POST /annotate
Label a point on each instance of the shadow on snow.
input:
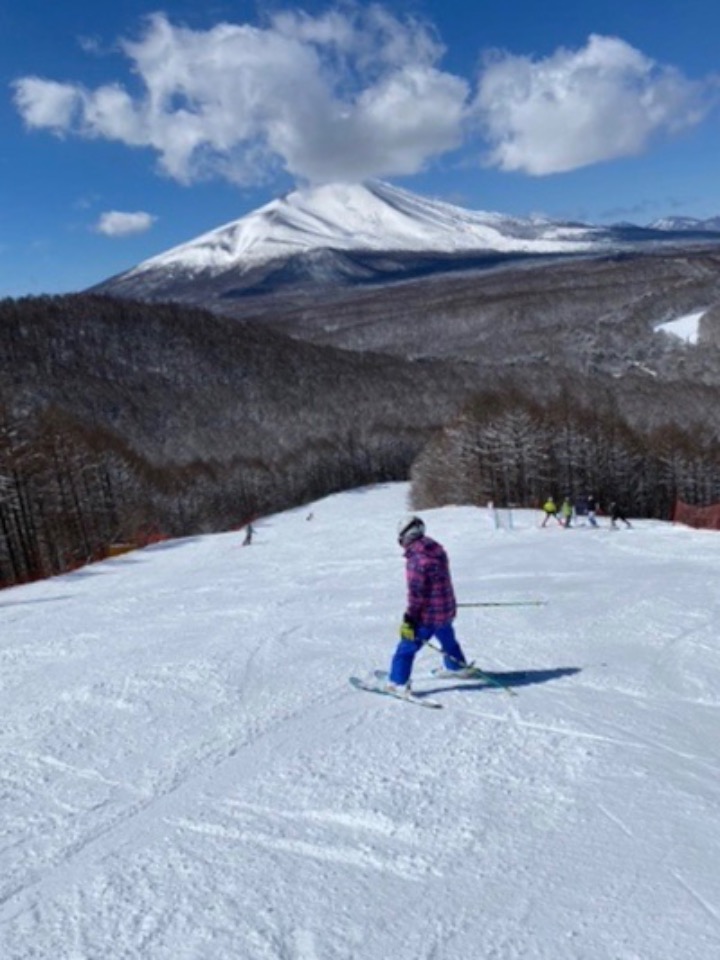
(512, 678)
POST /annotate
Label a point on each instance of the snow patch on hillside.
(685, 328)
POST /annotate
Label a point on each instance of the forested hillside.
(590, 315)
(513, 448)
(127, 421)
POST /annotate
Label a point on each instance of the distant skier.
(249, 531)
(592, 508)
(550, 510)
(617, 513)
(566, 512)
(431, 606)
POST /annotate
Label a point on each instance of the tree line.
(515, 450)
(69, 492)
(123, 422)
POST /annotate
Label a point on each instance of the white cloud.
(315, 95)
(358, 93)
(44, 103)
(114, 223)
(581, 107)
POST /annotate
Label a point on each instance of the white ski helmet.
(409, 529)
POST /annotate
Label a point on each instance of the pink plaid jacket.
(431, 598)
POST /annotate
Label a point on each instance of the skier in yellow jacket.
(550, 510)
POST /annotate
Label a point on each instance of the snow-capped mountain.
(340, 235)
(710, 225)
(373, 216)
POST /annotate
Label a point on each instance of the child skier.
(431, 606)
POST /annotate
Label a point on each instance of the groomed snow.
(186, 772)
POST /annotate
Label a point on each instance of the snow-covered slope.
(188, 775)
(372, 216)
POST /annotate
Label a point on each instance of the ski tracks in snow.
(195, 779)
(99, 847)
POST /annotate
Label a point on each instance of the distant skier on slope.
(550, 510)
(431, 606)
(566, 512)
(592, 509)
(617, 513)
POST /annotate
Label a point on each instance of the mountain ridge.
(325, 239)
(369, 216)
(687, 224)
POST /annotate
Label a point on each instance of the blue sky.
(129, 128)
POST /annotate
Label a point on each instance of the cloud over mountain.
(359, 92)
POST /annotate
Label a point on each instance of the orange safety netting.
(707, 518)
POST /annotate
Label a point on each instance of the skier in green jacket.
(550, 510)
(566, 512)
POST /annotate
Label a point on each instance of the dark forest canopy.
(119, 417)
(123, 421)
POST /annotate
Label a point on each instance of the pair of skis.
(378, 683)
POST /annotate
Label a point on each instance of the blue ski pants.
(407, 650)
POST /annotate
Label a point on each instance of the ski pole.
(480, 673)
(508, 603)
